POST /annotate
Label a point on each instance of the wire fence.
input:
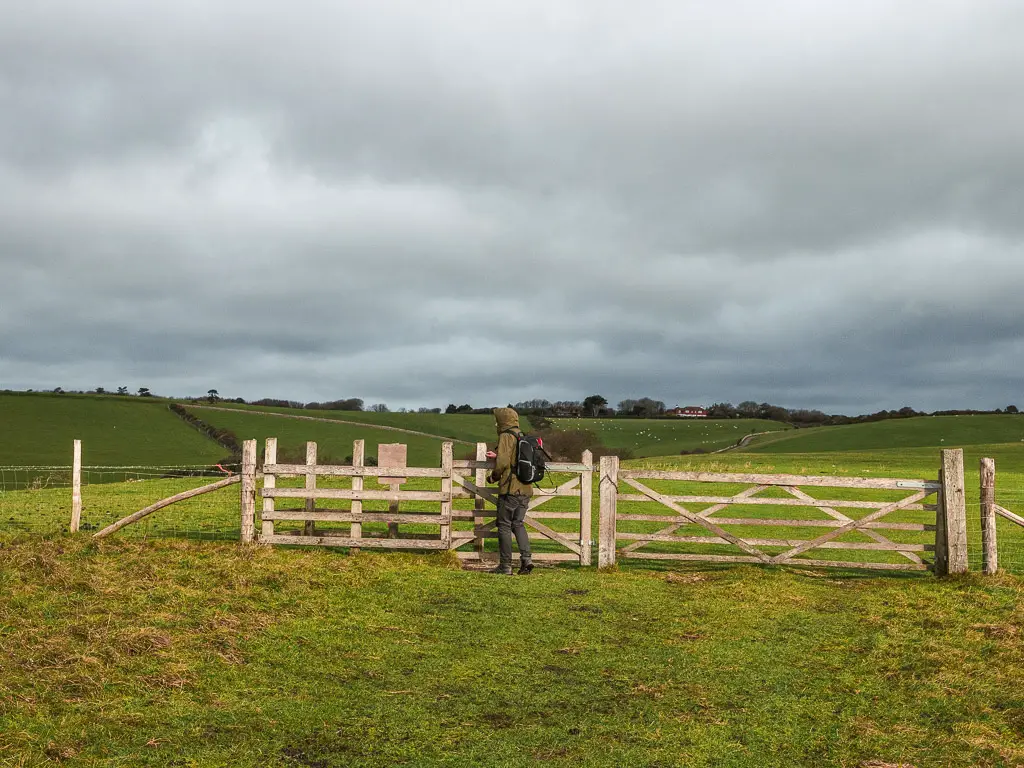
(37, 500)
(1010, 535)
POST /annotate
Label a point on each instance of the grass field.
(470, 427)
(667, 437)
(332, 439)
(39, 430)
(918, 432)
(198, 654)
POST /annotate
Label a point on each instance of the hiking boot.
(503, 569)
(525, 567)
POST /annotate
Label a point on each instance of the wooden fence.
(699, 510)
(459, 479)
(989, 511)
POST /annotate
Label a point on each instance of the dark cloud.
(419, 203)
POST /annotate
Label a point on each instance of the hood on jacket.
(506, 418)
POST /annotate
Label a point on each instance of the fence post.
(989, 545)
(447, 465)
(609, 489)
(269, 481)
(586, 502)
(248, 491)
(954, 511)
(76, 487)
(480, 480)
(358, 455)
(310, 527)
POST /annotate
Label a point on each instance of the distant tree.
(144, 392)
(1012, 409)
(593, 404)
(58, 391)
(464, 408)
(722, 411)
(452, 408)
(379, 408)
(748, 409)
(213, 395)
(100, 391)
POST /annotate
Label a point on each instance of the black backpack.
(530, 457)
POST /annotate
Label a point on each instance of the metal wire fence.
(37, 500)
(1010, 535)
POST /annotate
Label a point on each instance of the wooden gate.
(753, 533)
(458, 525)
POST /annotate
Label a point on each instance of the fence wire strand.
(36, 500)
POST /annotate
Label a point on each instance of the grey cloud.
(809, 204)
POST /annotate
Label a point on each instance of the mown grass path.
(135, 654)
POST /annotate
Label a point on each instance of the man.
(513, 496)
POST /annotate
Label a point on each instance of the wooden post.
(609, 490)
(941, 567)
(480, 480)
(358, 454)
(269, 481)
(248, 491)
(954, 510)
(76, 486)
(310, 527)
(586, 501)
(447, 464)
(989, 545)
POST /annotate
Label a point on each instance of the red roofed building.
(689, 412)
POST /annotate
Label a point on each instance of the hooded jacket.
(504, 464)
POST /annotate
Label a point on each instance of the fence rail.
(949, 526)
(463, 479)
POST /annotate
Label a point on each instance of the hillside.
(39, 429)
(334, 440)
(668, 437)
(470, 427)
(918, 432)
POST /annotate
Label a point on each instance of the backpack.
(530, 457)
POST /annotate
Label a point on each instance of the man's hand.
(492, 455)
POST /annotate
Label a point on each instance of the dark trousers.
(511, 513)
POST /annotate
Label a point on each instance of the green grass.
(199, 654)
(919, 432)
(39, 430)
(666, 437)
(470, 427)
(333, 440)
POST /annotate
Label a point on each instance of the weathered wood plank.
(695, 558)
(955, 498)
(269, 481)
(479, 503)
(360, 495)
(871, 546)
(1011, 516)
(554, 535)
(757, 521)
(345, 516)
(754, 560)
(76, 486)
(608, 490)
(725, 501)
(248, 483)
(989, 543)
(446, 492)
(586, 503)
(347, 541)
(310, 528)
(343, 470)
(550, 557)
(135, 517)
(795, 480)
(358, 457)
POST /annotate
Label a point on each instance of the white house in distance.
(689, 412)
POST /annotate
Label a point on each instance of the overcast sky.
(814, 204)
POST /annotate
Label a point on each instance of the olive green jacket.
(504, 470)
